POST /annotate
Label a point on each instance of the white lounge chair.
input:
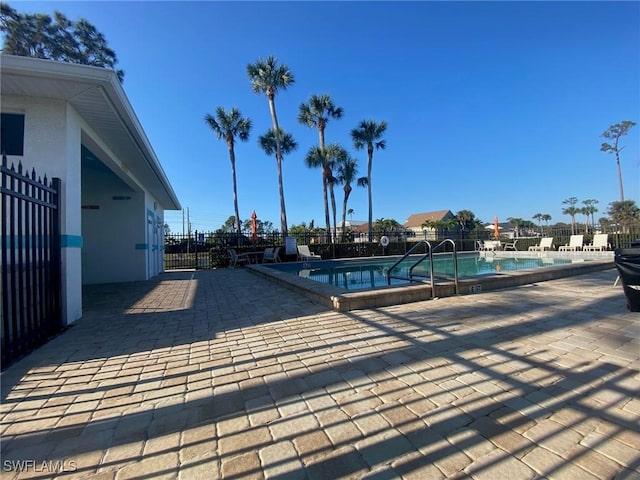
(600, 243)
(306, 255)
(575, 244)
(492, 245)
(480, 245)
(238, 259)
(511, 245)
(271, 255)
(546, 243)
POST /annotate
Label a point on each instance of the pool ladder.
(413, 277)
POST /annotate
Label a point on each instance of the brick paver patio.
(221, 374)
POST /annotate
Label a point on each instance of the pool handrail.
(428, 255)
(404, 257)
(455, 264)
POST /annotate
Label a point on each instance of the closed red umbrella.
(496, 228)
(254, 227)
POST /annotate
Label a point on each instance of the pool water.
(371, 273)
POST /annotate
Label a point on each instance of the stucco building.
(76, 123)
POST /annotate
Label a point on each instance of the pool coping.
(343, 300)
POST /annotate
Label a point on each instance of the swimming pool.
(495, 271)
(365, 274)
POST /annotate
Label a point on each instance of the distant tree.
(228, 126)
(438, 225)
(387, 225)
(229, 225)
(316, 113)
(269, 145)
(528, 227)
(268, 77)
(538, 218)
(263, 226)
(346, 172)
(167, 229)
(369, 135)
(326, 158)
(517, 224)
(466, 221)
(572, 211)
(350, 212)
(625, 214)
(614, 132)
(546, 218)
(589, 210)
(58, 38)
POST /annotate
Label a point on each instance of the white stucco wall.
(113, 228)
(115, 243)
(52, 147)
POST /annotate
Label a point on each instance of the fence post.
(56, 253)
(196, 248)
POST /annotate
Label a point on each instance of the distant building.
(415, 221)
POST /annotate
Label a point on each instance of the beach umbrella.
(254, 227)
(496, 228)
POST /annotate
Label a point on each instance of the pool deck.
(221, 374)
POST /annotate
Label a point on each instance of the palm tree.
(369, 134)
(268, 77)
(572, 211)
(624, 214)
(538, 217)
(615, 132)
(590, 210)
(466, 220)
(228, 126)
(346, 170)
(325, 158)
(316, 113)
(268, 142)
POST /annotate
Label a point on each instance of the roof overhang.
(98, 97)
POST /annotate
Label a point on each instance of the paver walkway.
(221, 374)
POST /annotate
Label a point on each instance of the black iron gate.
(185, 251)
(31, 261)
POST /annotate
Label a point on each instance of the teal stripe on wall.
(142, 246)
(71, 241)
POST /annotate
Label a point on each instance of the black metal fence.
(31, 261)
(186, 251)
(208, 250)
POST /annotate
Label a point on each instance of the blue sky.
(493, 107)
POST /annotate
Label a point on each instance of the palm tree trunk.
(325, 190)
(326, 174)
(369, 168)
(232, 157)
(620, 176)
(276, 129)
(333, 209)
(347, 192)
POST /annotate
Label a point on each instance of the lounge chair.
(546, 243)
(511, 245)
(575, 244)
(271, 255)
(306, 255)
(480, 245)
(600, 243)
(238, 259)
(492, 245)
